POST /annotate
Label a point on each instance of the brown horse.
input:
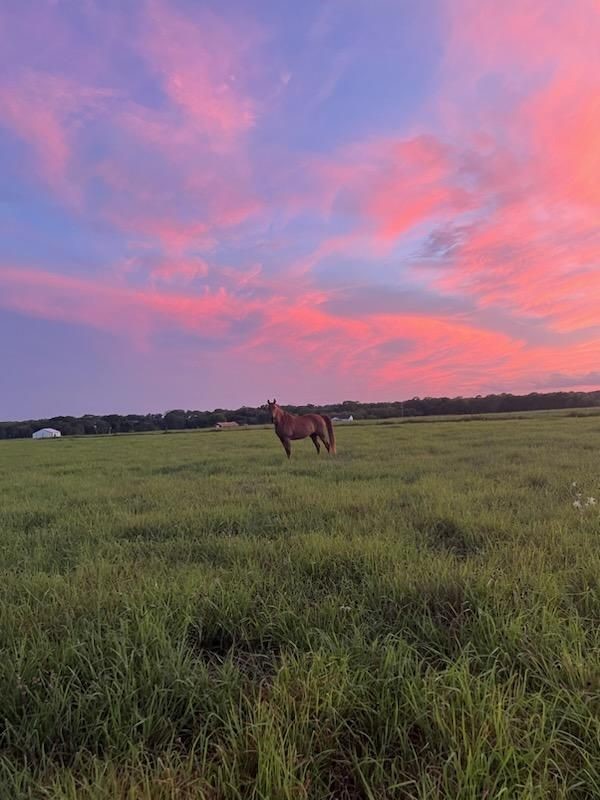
(293, 426)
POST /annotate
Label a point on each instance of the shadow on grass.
(257, 658)
(445, 535)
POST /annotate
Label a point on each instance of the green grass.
(192, 616)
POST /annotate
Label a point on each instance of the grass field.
(191, 616)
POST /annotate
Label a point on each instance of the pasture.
(191, 616)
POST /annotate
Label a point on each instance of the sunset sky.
(207, 203)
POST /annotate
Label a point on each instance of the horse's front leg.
(286, 445)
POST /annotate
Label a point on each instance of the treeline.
(179, 419)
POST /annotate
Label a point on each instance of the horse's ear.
(274, 401)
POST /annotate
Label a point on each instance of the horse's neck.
(284, 417)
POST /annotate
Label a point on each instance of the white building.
(46, 433)
(343, 419)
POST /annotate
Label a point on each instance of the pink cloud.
(537, 250)
(333, 245)
(47, 111)
(25, 109)
(551, 114)
(181, 218)
(297, 328)
(182, 195)
(116, 308)
(392, 185)
(515, 177)
(438, 352)
(532, 34)
(564, 120)
(202, 61)
(180, 270)
(175, 174)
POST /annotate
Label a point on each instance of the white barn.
(46, 433)
(221, 426)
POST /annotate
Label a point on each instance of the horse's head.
(274, 409)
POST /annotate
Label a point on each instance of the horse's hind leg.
(315, 438)
(286, 446)
(324, 440)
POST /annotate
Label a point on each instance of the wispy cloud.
(452, 249)
(202, 61)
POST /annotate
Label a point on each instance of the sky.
(204, 204)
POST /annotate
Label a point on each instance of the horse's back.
(305, 425)
(316, 419)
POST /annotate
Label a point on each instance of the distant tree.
(178, 419)
(175, 420)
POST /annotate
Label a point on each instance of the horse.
(298, 426)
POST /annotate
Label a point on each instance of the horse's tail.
(330, 434)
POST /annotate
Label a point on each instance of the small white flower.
(591, 501)
(577, 504)
(574, 484)
(345, 608)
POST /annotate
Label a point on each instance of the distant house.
(220, 426)
(343, 419)
(46, 433)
